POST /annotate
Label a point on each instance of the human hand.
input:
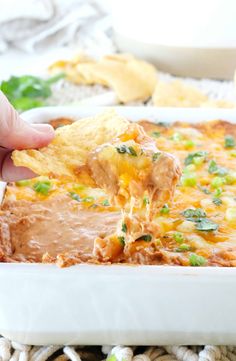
(17, 134)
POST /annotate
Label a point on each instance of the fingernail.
(43, 128)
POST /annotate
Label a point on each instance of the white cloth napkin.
(36, 25)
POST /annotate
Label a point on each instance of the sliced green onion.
(23, 183)
(42, 187)
(178, 237)
(189, 144)
(189, 180)
(196, 260)
(218, 192)
(146, 201)
(183, 248)
(217, 182)
(165, 209)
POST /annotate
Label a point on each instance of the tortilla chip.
(71, 145)
(177, 94)
(130, 78)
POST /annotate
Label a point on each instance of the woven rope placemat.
(13, 351)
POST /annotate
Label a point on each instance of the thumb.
(17, 134)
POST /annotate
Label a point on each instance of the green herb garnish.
(105, 203)
(112, 358)
(204, 190)
(176, 137)
(229, 141)
(218, 192)
(165, 209)
(217, 201)
(194, 215)
(178, 237)
(195, 158)
(215, 169)
(42, 187)
(155, 156)
(189, 144)
(23, 183)
(145, 237)
(198, 216)
(75, 196)
(124, 227)
(196, 260)
(88, 199)
(146, 201)
(156, 134)
(189, 179)
(183, 248)
(122, 240)
(125, 149)
(27, 91)
(217, 182)
(206, 225)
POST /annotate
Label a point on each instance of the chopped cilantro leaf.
(217, 201)
(75, 196)
(206, 225)
(124, 149)
(195, 157)
(124, 227)
(105, 203)
(204, 190)
(196, 260)
(122, 240)
(156, 134)
(145, 237)
(229, 141)
(215, 169)
(132, 151)
(155, 156)
(194, 214)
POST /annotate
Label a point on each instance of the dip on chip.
(71, 145)
(108, 152)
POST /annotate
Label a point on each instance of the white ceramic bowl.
(187, 38)
(133, 305)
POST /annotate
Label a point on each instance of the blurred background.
(194, 41)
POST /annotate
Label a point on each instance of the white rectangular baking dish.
(133, 305)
